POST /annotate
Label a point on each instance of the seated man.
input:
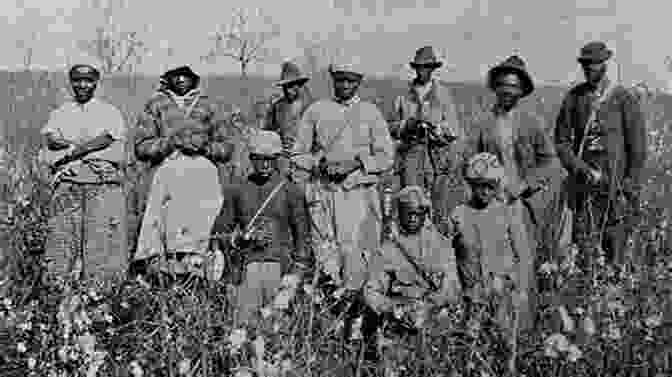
(263, 227)
(416, 264)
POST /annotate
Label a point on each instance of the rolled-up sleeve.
(302, 155)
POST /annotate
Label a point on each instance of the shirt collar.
(348, 103)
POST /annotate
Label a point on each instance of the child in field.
(490, 246)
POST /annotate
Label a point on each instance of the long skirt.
(88, 231)
(347, 224)
(184, 200)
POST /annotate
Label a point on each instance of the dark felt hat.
(513, 64)
(594, 52)
(291, 74)
(181, 71)
(425, 56)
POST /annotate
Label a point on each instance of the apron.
(184, 200)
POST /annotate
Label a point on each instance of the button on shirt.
(80, 123)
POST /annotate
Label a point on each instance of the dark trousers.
(603, 218)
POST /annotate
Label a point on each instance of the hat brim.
(350, 74)
(433, 65)
(528, 84)
(595, 59)
(181, 72)
(295, 81)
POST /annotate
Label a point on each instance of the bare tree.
(116, 49)
(244, 40)
(27, 45)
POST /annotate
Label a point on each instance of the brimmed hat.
(181, 71)
(291, 74)
(265, 143)
(594, 52)
(425, 56)
(513, 64)
(346, 67)
(413, 197)
(84, 71)
(484, 167)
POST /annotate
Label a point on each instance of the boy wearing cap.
(266, 220)
(491, 247)
(84, 142)
(416, 264)
(601, 139)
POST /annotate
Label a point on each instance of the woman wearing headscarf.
(180, 134)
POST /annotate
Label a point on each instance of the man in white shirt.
(84, 147)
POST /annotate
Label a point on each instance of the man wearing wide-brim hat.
(84, 145)
(533, 171)
(286, 111)
(601, 138)
(425, 121)
(344, 144)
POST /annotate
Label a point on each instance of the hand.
(595, 176)
(341, 169)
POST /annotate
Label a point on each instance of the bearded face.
(423, 73)
(594, 72)
(345, 85)
(509, 90)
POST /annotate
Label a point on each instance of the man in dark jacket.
(267, 218)
(285, 112)
(601, 139)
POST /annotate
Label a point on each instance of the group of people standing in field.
(477, 206)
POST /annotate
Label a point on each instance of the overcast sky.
(382, 34)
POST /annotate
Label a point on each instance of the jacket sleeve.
(269, 123)
(150, 144)
(548, 168)
(635, 133)
(468, 258)
(381, 156)
(564, 138)
(397, 119)
(220, 148)
(450, 121)
(302, 155)
(299, 222)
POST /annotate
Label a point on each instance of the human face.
(509, 90)
(181, 84)
(483, 192)
(594, 72)
(423, 73)
(345, 86)
(83, 88)
(292, 91)
(263, 166)
(412, 218)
